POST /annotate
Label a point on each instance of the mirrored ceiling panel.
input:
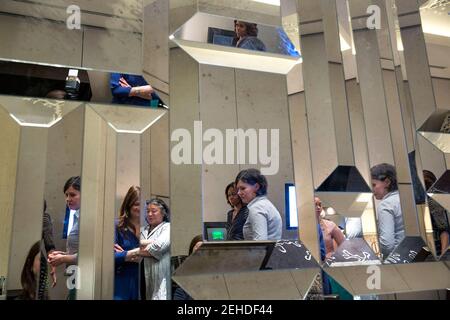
(105, 35)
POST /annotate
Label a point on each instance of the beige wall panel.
(205, 287)
(307, 230)
(433, 276)
(9, 143)
(343, 134)
(112, 50)
(409, 211)
(28, 201)
(264, 285)
(396, 125)
(90, 15)
(217, 110)
(145, 170)
(185, 180)
(99, 82)
(155, 40)
(407, 113)
(123, 8)
(373, 98)
(246, 10)
(442, 92)
(359, 138)
(180, 12)
(160, 156)
(39, 41)
(110, 212)
(92, 206)
(262, 103)
(319, 108)
(417, 69)
(391, 280)
(128, 164)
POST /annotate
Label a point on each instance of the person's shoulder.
(166, 226)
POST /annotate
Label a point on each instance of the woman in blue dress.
(126, 248)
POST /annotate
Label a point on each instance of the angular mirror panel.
(354, 251)
(46, 155)
(127, 119)
(436, 130)
(224, 40)
(221, 31)
(124, 182)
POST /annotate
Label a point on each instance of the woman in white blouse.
(155, 247)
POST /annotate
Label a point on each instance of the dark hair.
(250, 28)
(229, 186)
(162, 206)
(253, 176)
(131, 197)
(429, 178)
(28, 278)
(194, 241)
(385, 171)
(74, 182)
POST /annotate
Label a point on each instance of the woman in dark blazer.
(126, 248)
(237, 216)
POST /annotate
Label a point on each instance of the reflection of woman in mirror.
(196, 243)
(155, 247)
(264, 220)
(30, 273)
(131, 89)
(246, 36)
(332, 235)
(126, 247)
(72, 192)
(47, 237)
(237, 216)
(438, 215)
(390, 220)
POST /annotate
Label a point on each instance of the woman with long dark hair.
(237, 216)
(30, 273)
(126, 247)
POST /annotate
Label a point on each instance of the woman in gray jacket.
(391, 230)
(264, 220)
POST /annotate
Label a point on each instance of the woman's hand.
(132, 255)
(124, 83)
(144, 92)
(118, 248)
(56, 258)
(52, 269)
